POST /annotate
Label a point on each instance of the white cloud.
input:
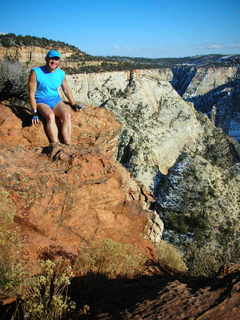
(235, 46)
(217, 46)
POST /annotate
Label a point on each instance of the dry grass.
(11, 271)
(111, 259)
(168, 255)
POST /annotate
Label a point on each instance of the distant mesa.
(31, 50)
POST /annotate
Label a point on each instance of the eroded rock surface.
(32, 54)
(157, 122)
(159, 127)
(214, 91)
(165, 298)
(199, 198)
(68, 196)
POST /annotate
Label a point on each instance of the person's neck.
(48, 69)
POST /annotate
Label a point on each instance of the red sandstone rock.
(67, 197)
(91, 127)
(163, 298)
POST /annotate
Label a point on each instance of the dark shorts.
(51, 102)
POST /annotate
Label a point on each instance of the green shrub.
(206, 261)
(11, 39)
(46, 294)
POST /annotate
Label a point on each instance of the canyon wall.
(214, 91)
(176, 152)
(31, 55)
(157, 122)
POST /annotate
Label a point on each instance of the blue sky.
(150, 28)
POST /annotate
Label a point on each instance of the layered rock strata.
(162, 131)
(214, 91)
(31, 54)
(157, 123)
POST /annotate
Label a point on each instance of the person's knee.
(66, 116)
(50, 117)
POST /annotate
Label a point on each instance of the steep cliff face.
(214, 91)
(163, 135)
(201, 80)
(157, 123)
(31, 55)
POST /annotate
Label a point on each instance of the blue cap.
(53, 53)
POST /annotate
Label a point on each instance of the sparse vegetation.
(46, 295)
(206, 261)
(170, 256)
(13, 80)
(13, 40)
(111, 259)
(11, 271)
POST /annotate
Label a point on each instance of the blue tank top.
(48, 82)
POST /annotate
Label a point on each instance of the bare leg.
(62, 111)
(49, 116)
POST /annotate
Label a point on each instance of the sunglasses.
(54, 58)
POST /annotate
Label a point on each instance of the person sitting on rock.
(44, 83)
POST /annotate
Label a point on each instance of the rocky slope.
(199, 198)
(163, 297)
(63, 198)
(157, 122)
(163, 133)
(214, 91)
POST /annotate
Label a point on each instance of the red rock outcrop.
(165, 298)
(64, 197)
(68, 196)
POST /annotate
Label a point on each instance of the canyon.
(158, 110)
(151, 148)
(165, 143)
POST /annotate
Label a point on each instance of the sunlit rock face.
(157, 123)
(199, 198)
(173, 150)
(63, 197)
(32, 54)
(214, 91)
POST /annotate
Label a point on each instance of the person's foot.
(54, 149)
(78, 107)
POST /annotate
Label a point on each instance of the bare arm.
(67, 91)
(32, 85)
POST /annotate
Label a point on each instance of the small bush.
(111, 259)
(11, 271)
(46, 294)
(168, 255)
(13, 80)
(206, 261)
